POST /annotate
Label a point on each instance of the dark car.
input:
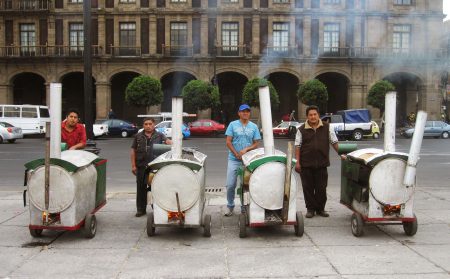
(119, 127)
(206, 127)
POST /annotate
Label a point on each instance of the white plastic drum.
(62, 189)
(266, 185)
(386, 182)
(172, 179)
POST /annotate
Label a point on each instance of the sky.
(447, 9)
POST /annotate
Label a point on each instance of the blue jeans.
(232, 169)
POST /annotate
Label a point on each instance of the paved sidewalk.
(121, 248)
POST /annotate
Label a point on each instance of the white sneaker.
(229, 213)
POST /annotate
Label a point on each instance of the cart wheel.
(207, 225)
(410, 228)
(90, 226)
(36, 232)
(300, 226)
(242, 225)
(357, 225)
(150, 224)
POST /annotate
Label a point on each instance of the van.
(31, 118)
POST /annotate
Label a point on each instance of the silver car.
(9, 132)
(436, 129)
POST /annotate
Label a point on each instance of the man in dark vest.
(312, 150)
(142, 154)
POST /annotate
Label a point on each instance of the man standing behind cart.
(72, 132)
(141, 155)
(242, 136)
(312, 151)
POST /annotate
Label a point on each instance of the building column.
(255, 35)
(101, 32)
(153, 35)
(355, 97)
(6, 94)
(204, 35)
(430, 100)
(307, 36)
(47, 94)
(103, 99)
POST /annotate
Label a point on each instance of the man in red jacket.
(72, 132)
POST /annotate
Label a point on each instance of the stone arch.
(286, 85)
(282, 70)
(338, 90)
(178, 69)
(64, 73)
(28, 88)
(73, 92)
(114, 72)
(231, 69)
(118, 84)
(172, 84)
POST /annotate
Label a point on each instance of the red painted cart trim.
(67, 228)
(102, 162)
(381, 219)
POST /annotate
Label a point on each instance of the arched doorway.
(337, 87)
(28, 88)
(73, 93)
(119, 83)
(230, 85)
(408, 94)
(286, 85)
(172, 85)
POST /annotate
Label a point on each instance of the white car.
(9, 133)
(165, 127)
(100, 130)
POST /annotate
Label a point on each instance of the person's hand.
(73, 148)
(243, 151)
(238, 156)
(343, 157)
(298, 168)
(133, 170)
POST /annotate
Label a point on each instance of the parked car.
(284, 127)
(9, 133)
(434, 129)
(206, 127)
(165, 127)
(119, 127)
(100, 128)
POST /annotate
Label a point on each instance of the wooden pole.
(287, 182)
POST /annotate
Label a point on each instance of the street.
(327, 250)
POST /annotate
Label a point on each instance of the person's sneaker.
(140, 213)
(322, 213)
(309, 214)
(229, 213)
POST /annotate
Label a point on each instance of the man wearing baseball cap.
(242, 136)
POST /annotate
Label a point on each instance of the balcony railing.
(47, 51)
(281, 51)
(125, 51)
(231, 51)
(177, 51)
(25, 5)
(372, 52)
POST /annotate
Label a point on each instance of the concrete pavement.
(121, 248)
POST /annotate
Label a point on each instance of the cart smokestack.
(389, 116)
(177, 122)
(416, 144)
(266, 120)
(55, 120)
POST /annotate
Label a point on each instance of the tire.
(445, 135)
(1, 140)
(124, 134)
(242, 225)
(357, 135)
(150, 224)
(357, 224)
(90, 226)
(410, 228)
(12, 140)
(376, 135)
(36, 232)
(300, 226)
(207, 225)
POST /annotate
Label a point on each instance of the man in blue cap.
(242, 136)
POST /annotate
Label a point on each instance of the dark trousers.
(141, 190)
(314, 183)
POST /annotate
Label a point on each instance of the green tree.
(144, 91)
(378, 92)
(200, 95)
(250, 93)
(313, 92)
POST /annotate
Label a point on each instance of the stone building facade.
(347, 44)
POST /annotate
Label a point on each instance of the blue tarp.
(355, 115)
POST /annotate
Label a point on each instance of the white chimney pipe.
(266, 120)
(416, 144)
(55, 120)
(389, 124)
(177, 121)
